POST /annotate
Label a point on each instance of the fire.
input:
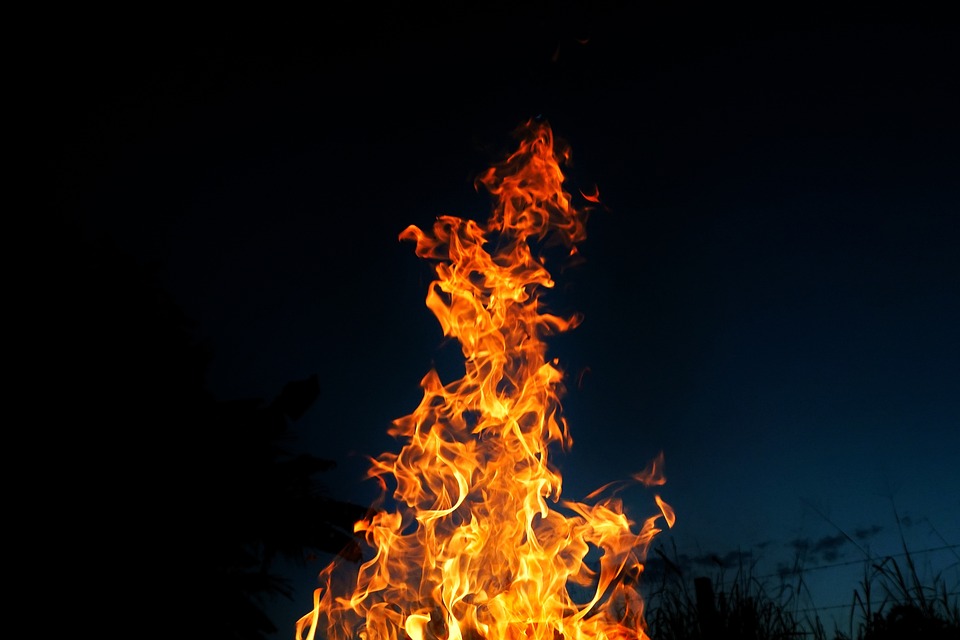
(480, 544)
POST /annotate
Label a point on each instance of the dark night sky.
(771, 290)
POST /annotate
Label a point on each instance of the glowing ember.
(479, 545)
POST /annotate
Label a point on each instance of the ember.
(480, 544)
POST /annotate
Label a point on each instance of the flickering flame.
(480, 544)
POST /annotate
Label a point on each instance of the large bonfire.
(479, 543)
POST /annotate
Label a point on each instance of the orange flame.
(480, 544)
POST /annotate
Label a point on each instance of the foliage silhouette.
(179, 503)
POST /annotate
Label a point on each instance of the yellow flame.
(480, 545)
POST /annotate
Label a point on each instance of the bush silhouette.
(170, 505)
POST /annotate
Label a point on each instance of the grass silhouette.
(890, 602)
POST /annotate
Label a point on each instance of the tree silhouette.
(168, 507)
